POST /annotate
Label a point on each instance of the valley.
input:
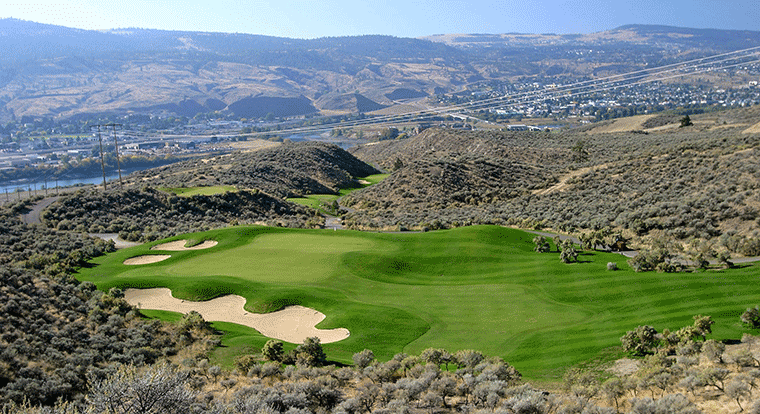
(459, 251)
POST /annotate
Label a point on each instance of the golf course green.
(480, 287)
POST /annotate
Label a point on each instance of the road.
(34, 215)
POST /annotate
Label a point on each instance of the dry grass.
(633, 123)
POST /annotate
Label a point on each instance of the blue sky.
(403, 18)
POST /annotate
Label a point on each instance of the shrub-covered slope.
(148, 214)
(288, 170)
(430, 186)
(700, 181)
(55, 333)
(534, 148)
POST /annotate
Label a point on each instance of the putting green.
(478, 287)
(277, 258)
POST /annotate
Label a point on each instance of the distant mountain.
(55, 71)
(652, 35)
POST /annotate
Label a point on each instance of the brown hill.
(352, 103)
(696, 182)
(287, 170)
(530, 147)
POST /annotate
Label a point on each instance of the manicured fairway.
(478, 287)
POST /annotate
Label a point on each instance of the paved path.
(33, 216)
(332, 222)
(118, 243)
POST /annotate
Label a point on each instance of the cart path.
(34, 215)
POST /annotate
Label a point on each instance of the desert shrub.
(751, 317)
(641, 341)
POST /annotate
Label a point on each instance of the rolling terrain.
(662, 183)
(480, 287)
(288, 170)
(58, 72)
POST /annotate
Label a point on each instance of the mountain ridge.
(60, 72)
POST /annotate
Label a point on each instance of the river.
(40, 185)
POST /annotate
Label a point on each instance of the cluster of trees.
(147, 214)
(567, 251)
(686, 360)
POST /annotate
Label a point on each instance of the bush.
(641, 341)
(273, 350)
(751, 317)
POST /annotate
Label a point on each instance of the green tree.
(363, 359)
(703, 325)
(273, 350)
(641, 341)
(541, 244)
(579, 151)
(568, 254)
(686, 121)
(751, 317)
(310, 353)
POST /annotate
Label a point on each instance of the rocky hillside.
(288, 170)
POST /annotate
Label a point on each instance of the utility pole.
(116, 147)
(102, 163)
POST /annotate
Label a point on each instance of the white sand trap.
(292, 324)
(179, 245)
(147, 259)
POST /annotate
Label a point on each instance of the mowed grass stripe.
(478, 287)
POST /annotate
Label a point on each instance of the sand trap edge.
(293, 324)
(146, 259)
(179, 246)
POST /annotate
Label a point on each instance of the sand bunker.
(179, 245)
(292, 324)
(147, 259)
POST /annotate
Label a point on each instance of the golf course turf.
(480, 287)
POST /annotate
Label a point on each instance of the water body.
(51, 184)
(12, 187)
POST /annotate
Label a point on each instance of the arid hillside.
(666, 181)
(287, 170)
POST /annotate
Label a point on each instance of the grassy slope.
(477, 287)
(318, 201)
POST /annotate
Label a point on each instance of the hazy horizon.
(301, 19)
